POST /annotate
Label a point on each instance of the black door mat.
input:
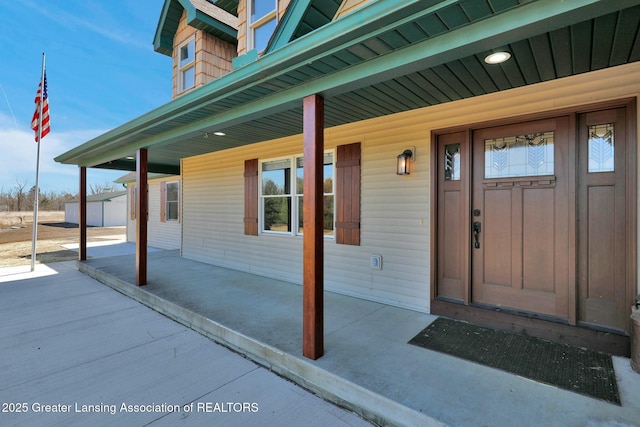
(575, 369)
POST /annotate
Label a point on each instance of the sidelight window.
(452, 162)
(601, 148)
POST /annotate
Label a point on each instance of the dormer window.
(263, 17)
(187, 65)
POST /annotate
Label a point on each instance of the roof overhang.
(378, 60)
(201, 15)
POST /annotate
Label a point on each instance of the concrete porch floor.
(368, 365)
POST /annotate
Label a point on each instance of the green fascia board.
(523, 21)
(288, 25)
(202, 21)
(163, 38)
(125, 165)
(171, 13)
(247, 58)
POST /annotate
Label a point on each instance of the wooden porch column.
(142, 213)
(313, 240)
(82, 214)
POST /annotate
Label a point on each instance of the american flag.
(35, 121)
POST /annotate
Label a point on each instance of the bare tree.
(100, 188)
(19, 194)
(5, 200)
(16, 198)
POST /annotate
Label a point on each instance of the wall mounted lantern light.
(403, 162)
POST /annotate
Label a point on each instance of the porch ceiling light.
(403, 162)
(497, 57)
(219, 133)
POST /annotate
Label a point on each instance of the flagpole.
(36, 196)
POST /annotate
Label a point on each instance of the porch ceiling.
(377, 61)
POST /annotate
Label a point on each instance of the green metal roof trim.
(302, 17)
(341, 60)
(202, 17)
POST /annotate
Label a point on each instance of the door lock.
(476, 232)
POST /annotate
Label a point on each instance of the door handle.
(476, 234)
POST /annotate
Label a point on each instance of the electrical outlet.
(376, 262)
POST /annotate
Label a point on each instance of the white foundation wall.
(395, 210)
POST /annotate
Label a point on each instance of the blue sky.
(102, 72)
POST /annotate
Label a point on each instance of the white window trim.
(191, 64)
(295, 214)
(251, 26)
(166, 202)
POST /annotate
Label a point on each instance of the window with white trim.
(172, 200)
(187, 65)
(282, 195)
(262, 17)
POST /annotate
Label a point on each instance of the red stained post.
(313, 240)
(142, 214)
(82, 214)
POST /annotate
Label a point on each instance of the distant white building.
(103, 210)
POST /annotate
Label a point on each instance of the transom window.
(282, 195)
(262, 18)
(522, 155)
(187, 65)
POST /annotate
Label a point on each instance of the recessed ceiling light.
(497, 57)
(219, 133)
(129, 157)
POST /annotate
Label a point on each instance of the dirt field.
(16, 235)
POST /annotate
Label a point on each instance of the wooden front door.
(520, 213)
(536, 221)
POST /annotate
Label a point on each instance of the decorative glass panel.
(452, 162)
(601, 148)
(522, 155)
